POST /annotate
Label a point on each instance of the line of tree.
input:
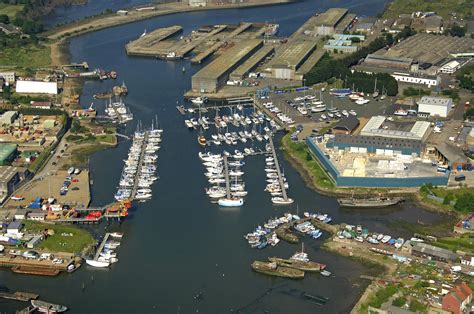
(330, 68)
(364, 82)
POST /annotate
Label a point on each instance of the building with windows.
(435, 106)
(327, 22)
(8, 76)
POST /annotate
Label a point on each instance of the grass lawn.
(464, 243)
(441, 7)
(10, 9)
(300, 152)
(80, 157)
(79, 240)
(28, 56)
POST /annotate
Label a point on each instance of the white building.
(8, 76)
(435, 106)
(411, 79)
(197, 3)
(450, 67)
(36, 87)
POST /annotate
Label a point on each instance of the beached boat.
(370, 202)
(46, 307)
(270, 268)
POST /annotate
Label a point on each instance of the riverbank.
(136, 14)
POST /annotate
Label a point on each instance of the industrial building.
(8, 117)
(36, 87)
(450, 67)
(381, 154)
(326, 22)
(8, 76)
(214, 75)
(428, 80)
(343, 43)
(197, 3)
(346, 125)
(10, 177)
(289, 58)
(435, 106)
(251, 63)
(419, 131)
(7, 153)
(435, 253)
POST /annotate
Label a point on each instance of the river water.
(179, 244)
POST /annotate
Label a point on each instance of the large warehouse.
(326, 22)
(36, 87)
(214, 75)
(435, 106)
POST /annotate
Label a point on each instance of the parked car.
(30, 255)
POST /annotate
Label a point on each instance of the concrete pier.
(277, 166)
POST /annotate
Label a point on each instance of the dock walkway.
(226, 174)
(101, 246)
(277, 166)
(140, 161)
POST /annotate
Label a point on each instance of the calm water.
(179, 244)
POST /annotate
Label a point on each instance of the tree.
(465, 203)
(399, 302)
(448, 198)
(4, 19)
(457, 31)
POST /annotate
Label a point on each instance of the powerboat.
(98, 264)
(231, 202)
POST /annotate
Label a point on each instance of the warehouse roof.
(451, 153)
(292, 54)
(434, 250)
(373, 124)
(436, 101)
(373, 128)
(5, 152)
(228, 59)
(36, 87)
(331, 17)
(350, 124)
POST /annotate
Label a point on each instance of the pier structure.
(277, 166)
(101, 246)
(140, 161)
(148, 44)
(226, 174)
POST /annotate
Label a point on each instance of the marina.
(105, 254)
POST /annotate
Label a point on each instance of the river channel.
(178, 244)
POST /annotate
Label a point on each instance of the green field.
(69, 239)
(27, 56)
(463, 8)
(10, 9)
(300, 152)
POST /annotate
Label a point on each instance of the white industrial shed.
(36, 87)
(435, 106)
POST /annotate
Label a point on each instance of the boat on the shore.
(296, 264)
(370, 202)
(46, 307)
(272, 269)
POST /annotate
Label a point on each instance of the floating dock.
(277, 166)
(140, 161)
(148, 44)
(101, 246)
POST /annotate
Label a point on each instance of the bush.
(416, 306)
(465, 203)
(399, 302)
(448, 198)
(412, 91)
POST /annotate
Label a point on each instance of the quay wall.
(371, 182)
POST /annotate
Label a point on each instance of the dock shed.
(326, 22)
(14, 227)
(210, 78)
(433, 253)
(7, 154)
(435, 106)
(346, 125)
(20, 214)
(8, 117)
(36, 87)
(35, 241)
(36, 216)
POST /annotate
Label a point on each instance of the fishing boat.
(231, 202)
(198, 100)
(98, 264)
(271, 29)
(271, 268)
(46, 307)
(370, 202)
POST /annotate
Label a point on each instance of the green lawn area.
(300, 152)
(464, 243)
(58, 242)
(28, 56)
(10, 9)
(80, 157)
(441, 7)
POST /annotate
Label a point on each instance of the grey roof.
(436, 101)
(14, 225)
(452, 153)
(350, 123)
(434, 250)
